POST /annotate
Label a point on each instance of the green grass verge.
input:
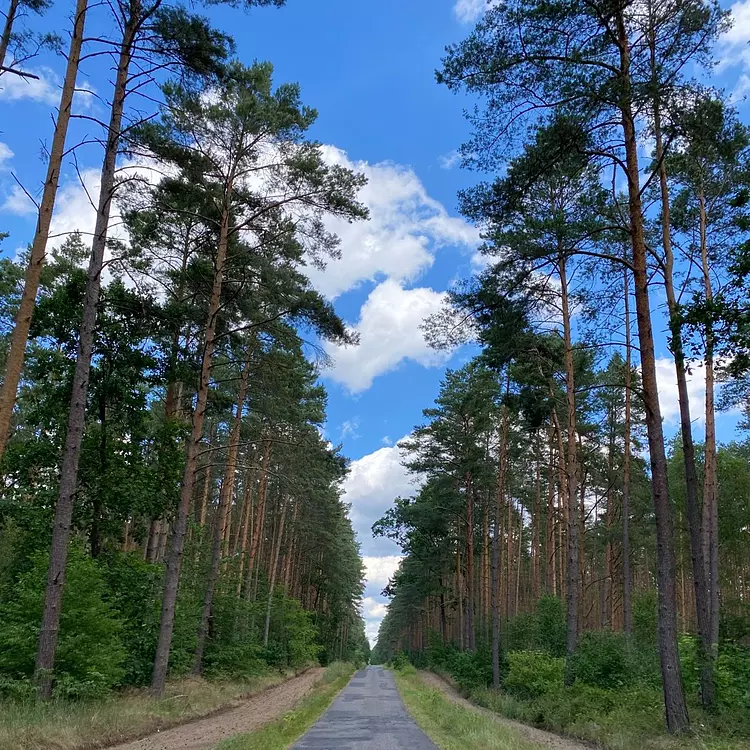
(453, 727)
(81, 725)
(280, 734)
(629, 719)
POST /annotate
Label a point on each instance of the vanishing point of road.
(367, 715)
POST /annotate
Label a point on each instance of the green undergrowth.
(280, 734)
(450, 726)
(64, 724)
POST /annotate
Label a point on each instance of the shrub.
(471, 669)
(601, 660)
(645, 619)
(550, 626)
(399, 660)
(90, 654)
(532, 674)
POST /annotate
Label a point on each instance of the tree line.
(169, 503)
(619, 206)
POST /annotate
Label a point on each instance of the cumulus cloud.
(668, 397)
(468, 11)
(399, 241)
(389, 332)
(372, 484)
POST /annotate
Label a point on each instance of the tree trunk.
(274, 566)
(674, 699)
(627, 578)
(225, 500)
(571, 475)
(261, 510)
(700, 581)
(10, 17)
(20, 334)
(45, 659)
(470, 631)
(499, 499)
(710, 525)
(174, 562)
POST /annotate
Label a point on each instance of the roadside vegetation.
(63, 724)
(452, 727)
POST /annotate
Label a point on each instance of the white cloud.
(468, 11)
(668, 397)
(349, 428)
(450, 160)
(18, 203)
(733, 45)
(389, 331)
(380, 570)
(399, 241)
(5, 154)
(370, 487)
(386, 440)
(44, 89)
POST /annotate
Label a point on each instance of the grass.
(280, 734)
(629, 719)
(84, 725)
(453, 727)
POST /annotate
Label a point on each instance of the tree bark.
(174, 562)
(45, 659)
(470, 629)
(20, 333)
(225, 501)
(274, 566)
(499, 499)
(674, 699)
(627, 577)
(571, 475)
(710, 525)
(10, 18)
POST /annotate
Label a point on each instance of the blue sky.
(369, 70)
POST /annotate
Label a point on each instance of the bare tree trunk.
(20, 334)
(225, 500)
(571, 472)
(470, 629)
(627, 578)
(261, 510)
(499, 499)
(45, 659)
(674, 699)
(174, 562)
(274, 566)
(10, 17)
(710, 525)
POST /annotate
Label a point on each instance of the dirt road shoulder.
(205, 734)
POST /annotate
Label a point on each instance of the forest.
(170, 505)
(563, 561)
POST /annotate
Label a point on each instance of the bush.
(399, 660)
(471, 669)
(550, 626)
(645, 619)
(532, 674)
(601, 660)
(90, 654)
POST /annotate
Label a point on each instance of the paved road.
(367, 715)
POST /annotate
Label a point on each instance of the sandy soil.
(539, 736)
(206, 733)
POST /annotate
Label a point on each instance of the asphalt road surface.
(367, 715)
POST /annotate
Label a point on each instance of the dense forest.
(558, 546)
(169, 503)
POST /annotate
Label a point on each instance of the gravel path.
(367, 715)
(544, 739)
(205, 734)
